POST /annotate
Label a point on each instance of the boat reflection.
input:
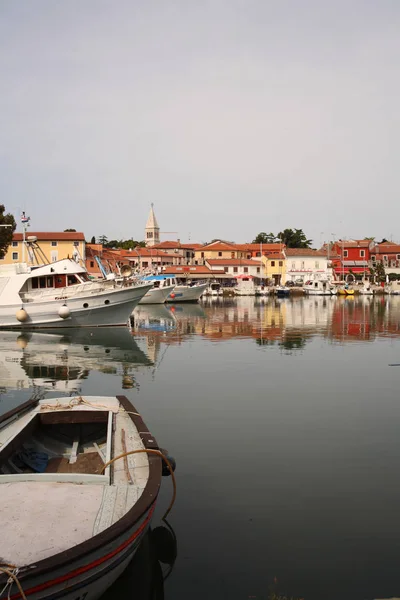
(153, 563)
(288, 323)
(60, 361)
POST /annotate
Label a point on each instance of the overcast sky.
(233, 117)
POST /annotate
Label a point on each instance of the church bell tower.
(152, 231)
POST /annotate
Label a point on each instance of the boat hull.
(157, 295)
(105, 309)
(187, 293)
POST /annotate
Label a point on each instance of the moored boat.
(80, 476)
(319, 287)
(158, 294)
(61, 294)
(282, 291)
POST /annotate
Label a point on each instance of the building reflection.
(287, 323)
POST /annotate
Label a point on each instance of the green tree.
(379, 272)
(93, 240)
(264, 238)
(294, 238)
(102, 239)
(6, 233)
(69, 229)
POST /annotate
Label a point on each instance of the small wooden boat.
(79, 480)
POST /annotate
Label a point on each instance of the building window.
(398, 257)
(281, 263)
(293, 266)
(226, 269)
(235, 269)
(258, 269)
(149, 234)
(373, 258)
(272, 263)
(345, 253)
(54, 243)
(91, 264)
(245, 269)
(302, 265)
(258, 253)
(362, 253)
(219, 253)
(317, 264)
(15, 244)
(232, 255)
(249, 256)
(15, 255)
(385, 258)
(202, 255)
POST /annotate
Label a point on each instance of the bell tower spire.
(152, 231)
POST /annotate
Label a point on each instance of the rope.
(156, 453)
(14, 577)
(71, 404)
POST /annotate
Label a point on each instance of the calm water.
(283, 417)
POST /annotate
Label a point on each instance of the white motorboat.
(61, 294)
(160, 291)
(366, 288)
(80, 476)
(189, 292)
(319, 287)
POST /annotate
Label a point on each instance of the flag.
(25, 219)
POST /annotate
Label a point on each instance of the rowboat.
(79, 480)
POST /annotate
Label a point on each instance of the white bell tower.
(152, 231)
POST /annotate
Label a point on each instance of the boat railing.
(89, 287)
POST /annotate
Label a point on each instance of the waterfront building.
(236, 266)
(354, 257)
(388, 254)
(275, 268)
(303, 264)
(55, 245)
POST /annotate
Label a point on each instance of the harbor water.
(283, 416)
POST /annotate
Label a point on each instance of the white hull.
(187, 293)
(103, 309)
(157, 295)
(319, 293)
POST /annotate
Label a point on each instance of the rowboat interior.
(56, 491)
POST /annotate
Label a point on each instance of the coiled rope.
(156, 453)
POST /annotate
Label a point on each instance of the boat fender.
(21, 315)
(64, 312)
(172, 295)
(165, 470)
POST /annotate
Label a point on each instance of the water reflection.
(61, 361)
(286, 323)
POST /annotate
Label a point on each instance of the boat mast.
(25, 224)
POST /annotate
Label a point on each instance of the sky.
(232, 117)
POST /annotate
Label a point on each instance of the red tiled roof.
(146, 252)
(304, 252)
(187, 269)
(278, 256)
(218, 246)
(386, 249)
(233, 262)
(56, 236)
(258, 247)
(353, 243)
(171, 245)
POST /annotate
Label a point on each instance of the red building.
(350, 256)
(387, 253)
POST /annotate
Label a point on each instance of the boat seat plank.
(30, 506)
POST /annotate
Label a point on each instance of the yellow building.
(275, 268)
(217, 250)
(54, 245)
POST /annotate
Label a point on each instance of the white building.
(236, 266)
(304, 263)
